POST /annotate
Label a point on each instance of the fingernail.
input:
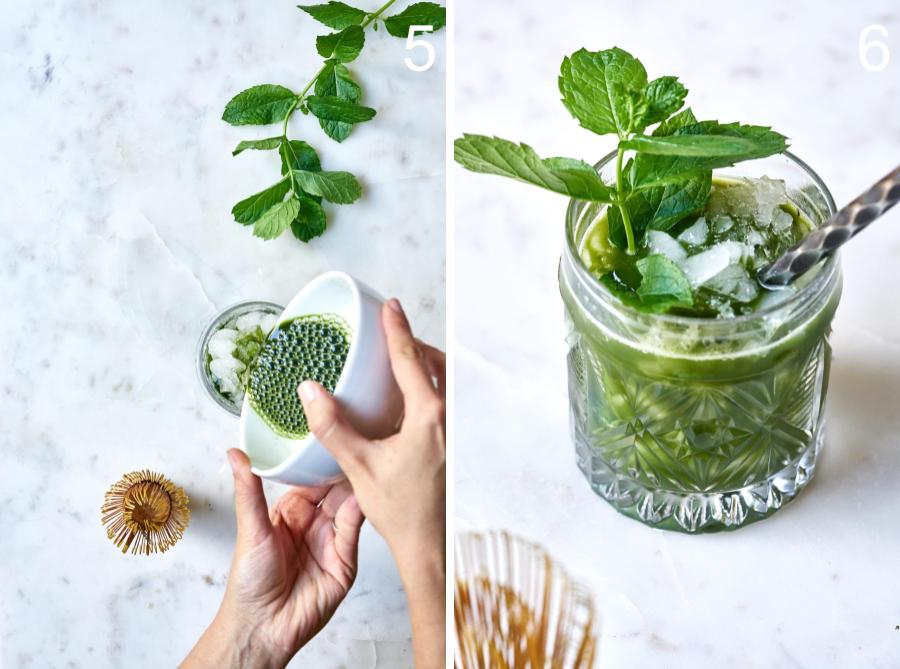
(309, 391)
(394, 304)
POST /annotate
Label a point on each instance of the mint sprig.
(666, 177)
(332, 96)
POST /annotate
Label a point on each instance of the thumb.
(250, 506)
(328, 423)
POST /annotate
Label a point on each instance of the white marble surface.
(117, 245)
(814, 586)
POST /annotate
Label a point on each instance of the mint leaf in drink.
(697, 148)
(664, 97)
(342, 46)
(602, 89)
(417, 14)
(335, 15)
(333, 108)
(298, 155)
(335, 81)
(276, 219)
(660, 207)
(259, 144)
(310, 220)
(259, 105)
(492, 155)
(663, 284)
(247, 346)
(249, 210)
(337, 187)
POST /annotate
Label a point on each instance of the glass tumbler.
(697, 424)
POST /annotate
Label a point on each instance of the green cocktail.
(709, 417)
(696, 395)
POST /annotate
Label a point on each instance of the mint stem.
(290, 112)
(620, 202)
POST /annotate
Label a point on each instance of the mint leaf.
(699, 147)
(250, 209)
(259, 105)
(664, 97)
(337, 187)
(683, 118)
(247, 346)
(417, 14)
(333, 108)
(298, 155)
(660, 207)
(276, 219)
(492, 155)
(663, 285)
(602, 89)
(343, 46)
(335, 81)
(335, 15)
(310, 220)
(258, 144)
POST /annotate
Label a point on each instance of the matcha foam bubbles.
(311, 347)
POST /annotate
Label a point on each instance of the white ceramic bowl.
(366, 388)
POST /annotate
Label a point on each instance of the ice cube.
(221, 348)
(226, 334)
(224, 367)
(703, 266)
(769, 195)
(248, 322)
(775, 297)
(268, 322)
(696, 234)
(229, 384)
(781, 221)
(754, 238)
(734, 282)
(723, 224)
(660, 242)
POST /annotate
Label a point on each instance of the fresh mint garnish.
(333, 97)
(663, 284)
(492, 155)
(668, 173)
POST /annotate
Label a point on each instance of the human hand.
(399, 481)
(292, 566)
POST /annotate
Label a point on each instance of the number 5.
(865, 45)
(412, 43)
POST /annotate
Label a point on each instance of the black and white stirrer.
(837, 230)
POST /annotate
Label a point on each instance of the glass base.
(698, 512)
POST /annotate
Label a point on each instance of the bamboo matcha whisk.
(146, 512)
(515, 608)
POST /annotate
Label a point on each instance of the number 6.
(865, 46)
(412, 43)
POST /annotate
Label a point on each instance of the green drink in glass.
(696, 396)
(703, 422)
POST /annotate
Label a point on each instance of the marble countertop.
(117, 246)
(814, 586)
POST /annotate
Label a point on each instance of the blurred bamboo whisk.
(515, 608)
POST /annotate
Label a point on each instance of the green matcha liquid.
(311, 347)
(711, 417)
